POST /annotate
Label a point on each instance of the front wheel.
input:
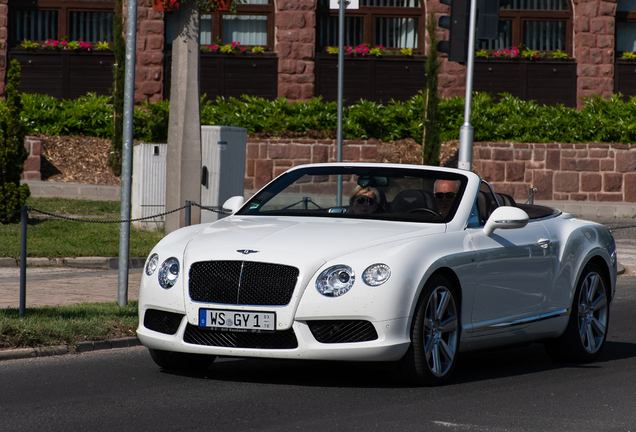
(586, 333)
(431, 358)
(181, 361)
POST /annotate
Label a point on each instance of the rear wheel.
(181, 361)
(431, 358)
(586, 333)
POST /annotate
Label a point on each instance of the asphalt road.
(509, 390)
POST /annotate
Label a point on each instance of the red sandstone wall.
(296, 48)
(568, 172)
(149, 56)
(33, 164)
(267, 159)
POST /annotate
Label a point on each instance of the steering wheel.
(423, 209)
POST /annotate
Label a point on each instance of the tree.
(12, 151)
(119, 77)
(431, 139)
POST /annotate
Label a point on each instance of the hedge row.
(510, 119)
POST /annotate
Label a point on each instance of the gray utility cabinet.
(223, 151)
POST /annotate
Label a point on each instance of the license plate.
(237, 320)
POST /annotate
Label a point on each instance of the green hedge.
(510, 119)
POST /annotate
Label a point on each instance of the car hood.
(297, 239)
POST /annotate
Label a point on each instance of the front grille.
(242, 283)
(279, 340)
(162, 321)
(342, 331)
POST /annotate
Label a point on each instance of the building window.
(626, 26)
(394, 24)
(539, 25)
(252, 25)
(90, 21)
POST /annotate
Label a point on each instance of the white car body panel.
(516, 285)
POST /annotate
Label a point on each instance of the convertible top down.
(378, 262)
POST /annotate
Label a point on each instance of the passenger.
(445, 193)
(365, 200)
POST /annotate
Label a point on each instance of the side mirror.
(506, 218)
(232, 205)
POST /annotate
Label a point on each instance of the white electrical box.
(223, 152)
(149, 185)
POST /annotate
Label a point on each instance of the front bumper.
(389, 345)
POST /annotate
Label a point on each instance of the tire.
(586, 333)
(435, 332)
(181, 361)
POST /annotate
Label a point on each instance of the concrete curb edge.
(105, 263)
(82, 347)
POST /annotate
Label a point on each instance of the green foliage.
(629, 55)
(432, 141)
(119, 78)
(509, 119)
(62, 238)
(67, 325)
(27, 44)
(12, 151)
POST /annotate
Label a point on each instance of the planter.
(63, 74)
(377, 79)
(166, 6)
(625, 78)
(546, 81)
(232, 75)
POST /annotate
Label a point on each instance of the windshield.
(406, 194)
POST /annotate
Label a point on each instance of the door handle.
(544, 243)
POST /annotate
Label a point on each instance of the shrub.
(12, 152)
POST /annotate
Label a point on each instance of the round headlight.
(169, 272)
(151, 265)
(376, 274)
(335, 281)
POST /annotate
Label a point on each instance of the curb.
(82, 347)
(105, 263)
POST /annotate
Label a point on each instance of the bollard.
(188, 213)
(23, 253)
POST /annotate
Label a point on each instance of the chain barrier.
(31, 209)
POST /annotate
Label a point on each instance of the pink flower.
(242, 49)
(233, 44)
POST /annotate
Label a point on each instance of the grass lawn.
(57, 238)
(66, 325)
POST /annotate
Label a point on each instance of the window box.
(232, 75)
(65, 74)
(547, 81)
(625, 78)
(377, 79)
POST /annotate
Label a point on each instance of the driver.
(445, 193)
(365, 200)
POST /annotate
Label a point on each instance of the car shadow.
(471, 367)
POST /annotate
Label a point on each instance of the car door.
(515, 272)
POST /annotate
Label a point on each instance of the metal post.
(23, 255)
(127, 153)
(466, 132)
(188, 213)
(341, 25)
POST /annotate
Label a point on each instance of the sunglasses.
(364, 200)
(449, 195)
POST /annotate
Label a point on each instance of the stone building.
(591, 35)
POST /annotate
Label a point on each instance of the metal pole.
(127, 152)
(23, 253)
(466, 132)
(341, 25)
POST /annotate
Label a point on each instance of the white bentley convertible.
(378, 262)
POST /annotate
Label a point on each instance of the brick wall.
(567, 172)
(268, 158)
(33, 164)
